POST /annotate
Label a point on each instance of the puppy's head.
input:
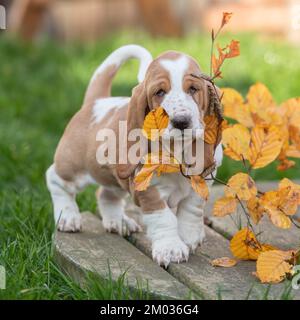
(173, 81)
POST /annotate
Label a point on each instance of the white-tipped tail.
(100, 84)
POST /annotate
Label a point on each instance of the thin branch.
(294, 223)
(181, 171)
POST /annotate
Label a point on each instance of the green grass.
(41, 87)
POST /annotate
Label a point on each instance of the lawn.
(41, 87)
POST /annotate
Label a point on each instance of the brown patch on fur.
(100, 87)
(149, 200)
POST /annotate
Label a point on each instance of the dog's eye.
(160, 93)
(192, 90)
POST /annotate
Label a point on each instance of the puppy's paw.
(169, 250)
(131, 225)
(191, 235)
(123, 225)
(69, 222)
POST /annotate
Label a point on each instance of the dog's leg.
(63, 193)
(111, 206)
(162, 230)
(191, 221)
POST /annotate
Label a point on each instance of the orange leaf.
(235, 108)
(236, 141)
(144, 176)
(260, 97)
(265, 146)
(292, 152)
(224, 206)
(295, 136)
(244, 245)
(241, 185)
(155, 122)
(211, 129)
(226, 17)
(278, 205)
(290, 111)
(199, 185)
(230, 51)
(234, 49)
(274, 265)
(223, 262)
(285, 164)
(165, 162)
(255, 209)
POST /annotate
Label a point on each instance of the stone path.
(99, 252)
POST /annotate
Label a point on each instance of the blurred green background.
(42, 86)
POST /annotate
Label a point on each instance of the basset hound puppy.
(172, 213)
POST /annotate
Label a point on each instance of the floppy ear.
(137, 110)
(213, 107)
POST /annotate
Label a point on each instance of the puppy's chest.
(172, 188)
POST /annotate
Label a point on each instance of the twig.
(239, 200)
(294, 223)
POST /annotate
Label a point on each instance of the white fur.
(177, 102)
(219, 155)
(119, 56)
(66, 211)
(112, 209)
(162, 231)
(104, 105)
(190, 213)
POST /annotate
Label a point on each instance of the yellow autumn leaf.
(292, 152)
(155, 122)
(171, 166)
(231, 101)
(295, 136)
(260, 97)
(273, 266)
(274, 204)
(144, 176)
(212, 129)
(245, 246)
(284, 183)
(199, 185)
(223, 262)
(265, 146)
(236, 141)
(255, 209)
(224, 206)
(290, 111)
(241, 185)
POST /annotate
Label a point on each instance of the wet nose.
(181, 122)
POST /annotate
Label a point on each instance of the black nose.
(181, 123)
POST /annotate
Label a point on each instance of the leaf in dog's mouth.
(155, 122)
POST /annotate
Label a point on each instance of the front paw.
(191, 235)
(169, 250)
(69, 222)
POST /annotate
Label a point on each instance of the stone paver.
(91, 250)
